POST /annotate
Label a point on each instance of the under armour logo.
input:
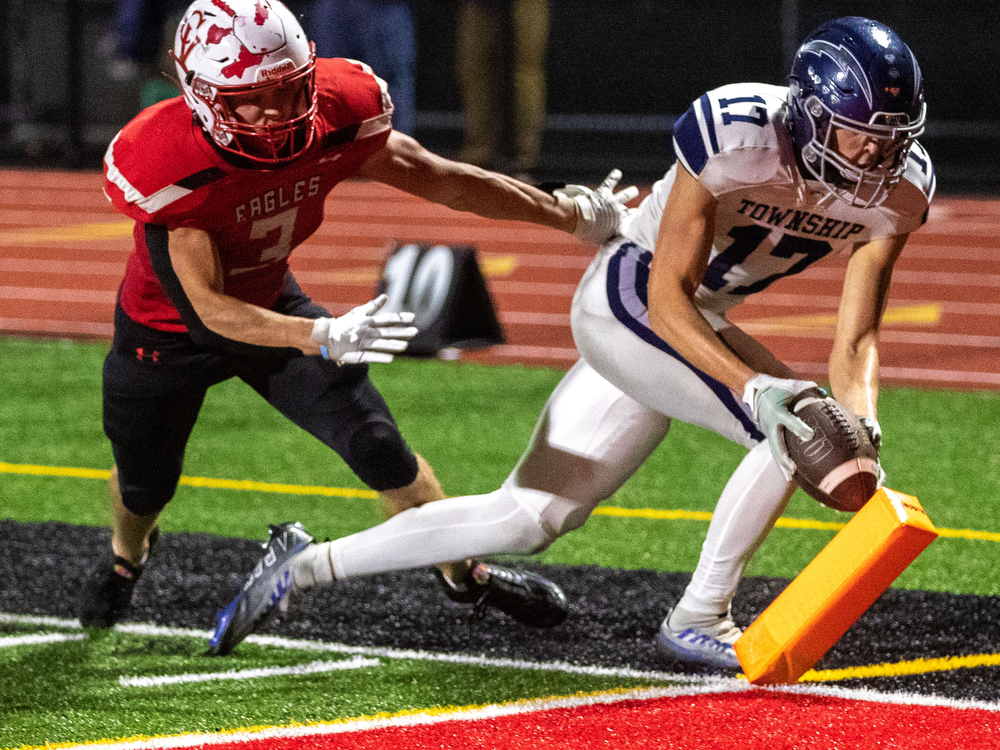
(143, 356)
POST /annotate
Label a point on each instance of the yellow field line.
(650, 514)
(221, 484)
(916, 666)
(654, 514)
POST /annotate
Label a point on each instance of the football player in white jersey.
(768, 180)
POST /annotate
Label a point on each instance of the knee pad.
(381, 458)
(147, 499)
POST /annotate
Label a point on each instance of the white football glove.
(875, 433)
(362, 336)
(599, 212)
(768, 399)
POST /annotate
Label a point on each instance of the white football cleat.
(693, 639)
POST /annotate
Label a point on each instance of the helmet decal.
(238, 67)
(849, 77)
(225, 50)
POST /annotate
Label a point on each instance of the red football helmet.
(232, 55)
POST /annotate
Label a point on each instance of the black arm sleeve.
(157, 240)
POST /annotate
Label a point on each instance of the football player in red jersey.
(223, 184)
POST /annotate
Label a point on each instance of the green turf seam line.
(295, 644)
(654, 514)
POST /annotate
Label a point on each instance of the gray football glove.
(599, 212)
(875, 433)
(768, 398)
(362, 336)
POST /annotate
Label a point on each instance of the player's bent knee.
(518, 526)
(551, 514)
(381, 458)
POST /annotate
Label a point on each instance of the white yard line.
(316, 667)
(145, 629)
(35, 639)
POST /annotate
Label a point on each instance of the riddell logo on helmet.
(266, 74)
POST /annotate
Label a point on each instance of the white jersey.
(769, 222)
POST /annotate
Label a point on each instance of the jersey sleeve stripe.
(375, 125)
(706, 112)
(164, 196)
(688, 142)
(200, 179)
(340, 136)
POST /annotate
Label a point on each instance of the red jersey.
(162, 169)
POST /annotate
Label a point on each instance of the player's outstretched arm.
(683, 246)
(592, 215)
(854, 359)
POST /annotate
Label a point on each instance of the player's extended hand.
(362, 336)
(875, 433)
(599, 213)
(768, 398)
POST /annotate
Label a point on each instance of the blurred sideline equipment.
(444, 289)
(835, 589)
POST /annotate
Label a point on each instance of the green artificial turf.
(84, 698)
(472, 422)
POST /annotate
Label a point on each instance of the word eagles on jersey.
(278, 198)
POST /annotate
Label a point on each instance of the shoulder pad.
(155, 161)
(349, 93)
(741, 115)
(920, 171)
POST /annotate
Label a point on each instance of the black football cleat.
(527, 597)
(268, 586)
(107, 593)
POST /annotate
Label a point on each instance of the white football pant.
(602, 421)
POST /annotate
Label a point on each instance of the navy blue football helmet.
(856, 75)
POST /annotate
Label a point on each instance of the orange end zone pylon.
(835, 589)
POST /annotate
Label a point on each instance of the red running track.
(63, 249)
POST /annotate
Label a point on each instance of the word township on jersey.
(795, 220)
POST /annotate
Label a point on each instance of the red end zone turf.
(719, 721)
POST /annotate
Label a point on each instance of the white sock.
(453, 529)
(312, 566)
(754, 498)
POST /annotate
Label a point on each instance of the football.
(839, 465)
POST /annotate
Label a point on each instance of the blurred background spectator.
(500, 64)
(380, 33)
(615, 76)
(143, 34)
